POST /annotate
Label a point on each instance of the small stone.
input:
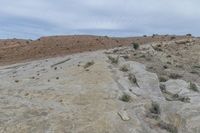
(124, 116)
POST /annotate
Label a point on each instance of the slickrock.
(61, 94)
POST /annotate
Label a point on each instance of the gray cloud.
(110, 17)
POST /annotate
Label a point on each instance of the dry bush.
(88, 64)
(113, 59)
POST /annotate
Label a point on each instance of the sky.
(35, 18)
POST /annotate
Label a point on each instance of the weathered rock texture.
(91, 93)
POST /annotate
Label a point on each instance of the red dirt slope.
(16, 50)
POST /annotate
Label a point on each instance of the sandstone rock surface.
(59, 95)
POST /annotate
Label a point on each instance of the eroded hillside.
(18, 50)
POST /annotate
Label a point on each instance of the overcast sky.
(35, 18)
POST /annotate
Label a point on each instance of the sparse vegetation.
(196, 66)
(124, 68)
(173, 97)
(132, 78)
(163, 79)
(142, 56)
(154, 111)
(183, 99)
(177, 97)
(172, 38)
(168, 62)
(163, 88)
(175, 76)
(113, 59)
(155, 108)
(189, 34)
(135, 45)
(88, 64)
(144, 35)
(16, 81)
(165, 66)
(125, 98)
(157, 48)
(193, 87)
(168, 127)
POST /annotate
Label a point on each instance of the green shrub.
(135, 45)
(125, 98)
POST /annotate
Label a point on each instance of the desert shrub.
(163, 79)
(132, 78)
(142, 56)
(175, 76)
(189, 34)
(155, 108)
(157, 48)
(16, 81)
(165, 66)
(113, 60)
(88, 64)
(168, 127)
(163, 88)
(176, 97)
(193, 87)
(124, 68)
(194, 72)
(125, 98)
(154, 35)
(184, 99)
(172, 38)
(135, 45)
(154, 111)
(196, 66)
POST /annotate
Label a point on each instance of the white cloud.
(144, 16)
